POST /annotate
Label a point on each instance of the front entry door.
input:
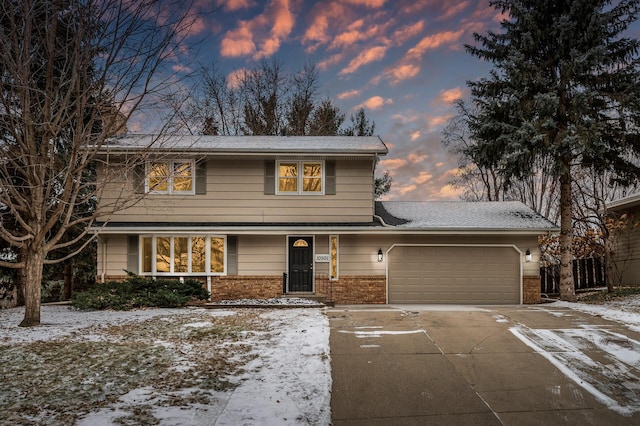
(300, 264)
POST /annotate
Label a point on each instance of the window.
(300, 177)
(333, 251)
(170, 177)
(183, 255)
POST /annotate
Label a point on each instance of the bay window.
(182, 255)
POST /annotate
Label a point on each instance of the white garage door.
(454, 274)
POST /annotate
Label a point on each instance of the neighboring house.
(261, 216)
(626, 256)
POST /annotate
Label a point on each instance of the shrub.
(137, 292)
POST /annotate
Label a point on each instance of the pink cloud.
(348, 94)
(447, 97)
(417, 158)
(434, 41)
(368, 3)
(407, 32)
(331, 60)
(375, 102)
(261, 36)
(235, 77)
(392, 163)
(452, 10)
(422, 177)
(235, 5)
(401, 72)
(238, 42)
(366, 57)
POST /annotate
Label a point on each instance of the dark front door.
(300, 264)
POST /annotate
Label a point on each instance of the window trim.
(171, 166)
(300, 177)
(154, 272)
(335, 260)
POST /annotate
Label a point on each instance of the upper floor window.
(170, 177)
(300, 177)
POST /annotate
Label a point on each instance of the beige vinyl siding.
(116, 260)
(358, 253)
(262, 255)
(626, 259)
(235, 193)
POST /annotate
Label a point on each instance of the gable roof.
(362, 145)
(462, 215)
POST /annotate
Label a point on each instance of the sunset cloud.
(374, 103)
(349, 94)
(392, 164)
(422, 177)
(366, 57)
(261, 36)
(235, 5)
(402, 35)
(447, 97)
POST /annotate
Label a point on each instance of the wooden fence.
(587, 273)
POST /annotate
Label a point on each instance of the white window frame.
(300, 177)
(207, 270)
(171, 166)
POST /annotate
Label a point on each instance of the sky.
(404, 61)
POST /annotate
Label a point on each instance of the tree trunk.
(68, 280)
(34, 260)
(567, 291)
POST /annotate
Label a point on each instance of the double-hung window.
(300, 177)
(183, 255)
(170, 177)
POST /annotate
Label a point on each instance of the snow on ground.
(601, 360)
(283, 371)
(283, 375)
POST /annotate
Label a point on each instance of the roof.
(462, 215)
(369, 145)
(393, 216)
(628, 202)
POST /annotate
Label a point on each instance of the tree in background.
(71, 73)
(564, 90)
(267, 100)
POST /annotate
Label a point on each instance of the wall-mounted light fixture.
(527, 256)
(379, 255)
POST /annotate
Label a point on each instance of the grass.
(181, 359)
(618, 293)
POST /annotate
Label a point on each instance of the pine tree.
(564, 88)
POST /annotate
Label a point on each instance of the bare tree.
(72, 73)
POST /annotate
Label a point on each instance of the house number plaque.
(322, 258)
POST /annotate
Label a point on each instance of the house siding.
(235, 193)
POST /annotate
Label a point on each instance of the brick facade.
(530, 290)
(245, 287)
(357, 290)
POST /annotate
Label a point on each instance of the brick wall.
(530, 290)
(245, 287)
(351, 290)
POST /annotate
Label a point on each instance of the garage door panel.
(454, 274)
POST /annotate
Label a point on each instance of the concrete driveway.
(497, 365)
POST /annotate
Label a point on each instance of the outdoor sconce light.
(379, 255)
(527, 256)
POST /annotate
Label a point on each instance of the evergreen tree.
(564, 88)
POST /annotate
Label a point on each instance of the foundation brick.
(530, 290)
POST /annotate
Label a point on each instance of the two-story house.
(263, 216)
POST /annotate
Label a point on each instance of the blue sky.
(402, 60)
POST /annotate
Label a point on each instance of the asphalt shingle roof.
(452, 215)
(251, 144)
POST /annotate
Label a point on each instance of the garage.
(440, 274)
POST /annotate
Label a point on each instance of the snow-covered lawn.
(161, 366)
(225, 366)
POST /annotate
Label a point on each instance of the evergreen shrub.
(139, 292)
